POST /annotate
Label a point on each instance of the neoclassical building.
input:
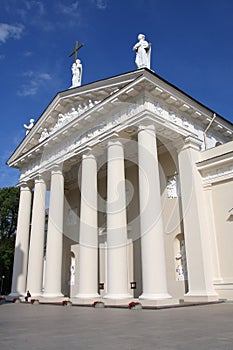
(137, 179)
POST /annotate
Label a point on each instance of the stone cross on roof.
(75, 52)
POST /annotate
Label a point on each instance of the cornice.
(217, 164)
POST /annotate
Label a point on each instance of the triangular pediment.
(82, 99)
(72, 110)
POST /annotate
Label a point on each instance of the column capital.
(191, 142)
(146, 127)
(24, 186)
(40, 178)
(207, 187)
(114, 142)
(56, 169)
(88, 156)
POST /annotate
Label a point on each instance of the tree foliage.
(9, 201)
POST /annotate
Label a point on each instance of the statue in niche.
(143, 52)
(181, 268)
(76, 73)
(172, 187)
(180, 272)
(29, 127)
(72, 272)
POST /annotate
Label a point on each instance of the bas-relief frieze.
(185, 122)
(169, 114)
(54, 153)
(154, 106)
(74, 142)
(63, 119)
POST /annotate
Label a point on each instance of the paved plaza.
(51, 327)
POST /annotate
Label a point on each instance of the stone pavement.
(29, 327)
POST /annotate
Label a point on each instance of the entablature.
(216, 165)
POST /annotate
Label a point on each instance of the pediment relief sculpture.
(63, 119)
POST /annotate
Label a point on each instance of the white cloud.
(45, 76)
(28, 53)
(29, 89)
(38, 6)
(68, 9)
(8, 31)
(32, 87)
(28, 73)
(101, 4)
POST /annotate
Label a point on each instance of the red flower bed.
(97, 303)
(16, 300)
(133, 304)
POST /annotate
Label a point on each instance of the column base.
(159, 303)
(36, 294)
(14, 295)
(117, 296)
(52, 295)
(150, 296)
(51, 300)
(87, 296)
(225, 289)
(200, 297)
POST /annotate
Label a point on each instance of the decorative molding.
(217, 175)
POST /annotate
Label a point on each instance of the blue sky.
(192, 48)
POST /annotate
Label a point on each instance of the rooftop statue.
(30, 126)
(76, 66)
(143, 52)
(76, 73)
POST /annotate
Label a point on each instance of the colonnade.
(28, 267)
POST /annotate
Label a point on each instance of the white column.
(154, 281)
(117, 278)
(21, 244)
(88, 232)
(53, 271)
(199, 260)
(36, 251)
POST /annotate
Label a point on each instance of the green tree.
(9, 201)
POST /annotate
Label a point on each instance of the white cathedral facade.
(139, 177)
